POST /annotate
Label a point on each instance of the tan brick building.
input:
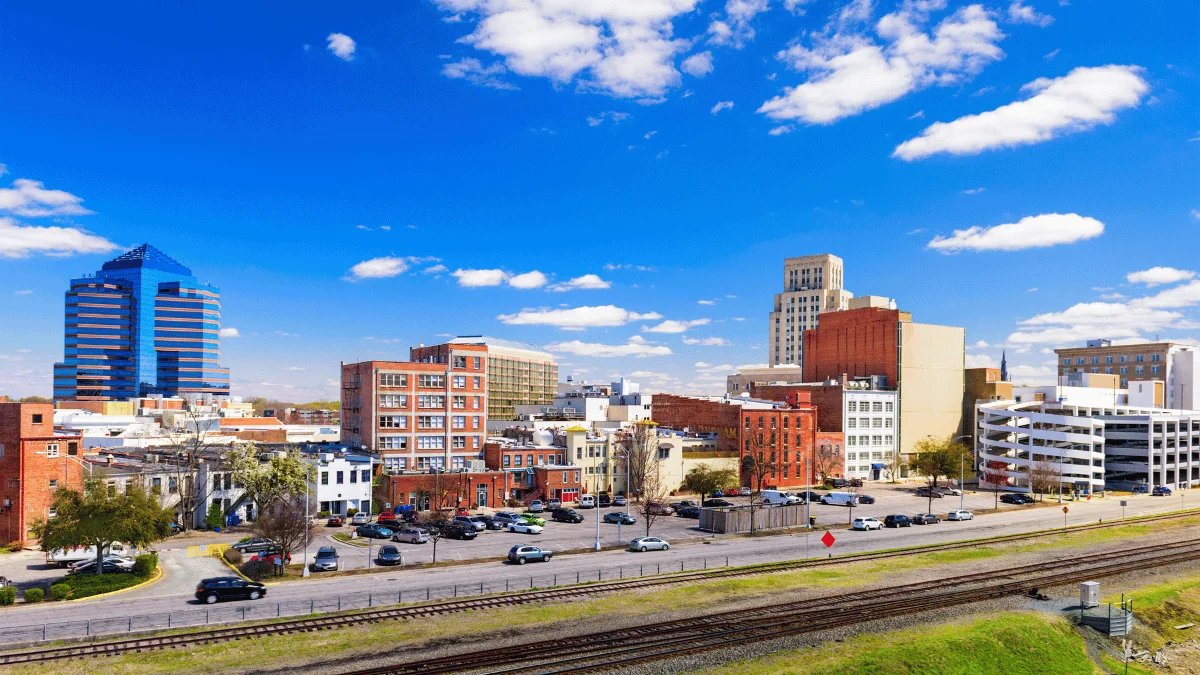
(1176, 365)
(34, 462)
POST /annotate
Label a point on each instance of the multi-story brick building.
(418, 416)
(1176, 365)
(34, 462)
(517, 373)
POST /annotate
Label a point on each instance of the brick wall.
(461, 489)
(26, 470)
(857, 342)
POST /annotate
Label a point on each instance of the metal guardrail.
(252, 611)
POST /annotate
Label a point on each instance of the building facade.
(811, 285)
(35, 461)
(1172, 363)
(418, 416)
(343, 482)
(517, 373)
(141, 325)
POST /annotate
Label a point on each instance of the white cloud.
(1076, 102)
(980, 361)
(973, 191)
(24, 291)
(435, 269)
(342, 46)
(1049, 56)
(603, 351)
(585, 282)
(31, 199)
(698, 65)
(624, 49)
(1156, 276)
(1049, 229)
(1112, 296)
(920, 114)
(781, 130)
(649, 134)
(706, 302)
(230, 332)
(707, 342)
(613, 115)
(979, 344)
(577, 317)
(735, 30)
(721, 105)
(477, 278)
(1196, 214)
(1022, 13)
(1179, 296)
(1087, 320)
(20, 241)
(473, 71)
(534, 279)
(385, 267)
(849, 72)
(673, 326)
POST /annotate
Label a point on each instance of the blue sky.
(351, 175)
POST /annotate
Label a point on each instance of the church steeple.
(1004, 366)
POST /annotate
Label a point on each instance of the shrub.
(145, 564)
(350, 512)
(8, 595)
(86, 584)
(244, 540)
(233, 556)
(34, 594)
(215, 518)
(256, 569)
(60, 592)
(320, 514)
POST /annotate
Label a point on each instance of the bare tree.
(758, 462)
(639, 449)
(1043, 475)
(853, 491)
(189, 446)
(436, 491)
(994, 473)
(827, 460)
(896, 464)
(654, 491)
(286, 521)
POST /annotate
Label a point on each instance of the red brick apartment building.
(787, 431)
(34, 462)
(418, 415)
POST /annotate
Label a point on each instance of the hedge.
(60, 592)
(233, 556)
(145, 564)
(8, 595)
(34, 595)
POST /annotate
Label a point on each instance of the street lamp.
(962, 492)
(307, 523)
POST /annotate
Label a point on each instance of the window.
(460, 402)
(877, 423)
(460, 381)
(1124, 370)
(1139, 358)
(851, 423)
(889, 407)
(459, 442)
(431, 422)
(1139, 369)
(37, 419)
(1108, 370)
(747, 421)
(1108, 359)
(1, 450)
(852, 406)
(475, 422)
(458, 422)
(517, 460)
(566, 477)
(1079, 361)
(887, 423)
(431, 442)
(529, 460)
(1155, 358)
(1154, 369)
(877, 406)
(460, 362)
(506, 461)
(353, 476)
(51, 450)
(458, 462)
(1095, 370)
(1095, 360)
(393, 421)
(53, 483)
(1124, 359)
(53, 512)
(477, 362)
(393, 401)
(431, 381)
(1067, 361)
(877, 440)
(477, 382)
(393, 443)
(888, 441)
(475, 404)
(430, 401)
(393, 380)
(851, 440)
(426, 463)
(664, 453)
(341, 477)
(541, 459)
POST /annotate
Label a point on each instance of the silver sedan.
(643, 544)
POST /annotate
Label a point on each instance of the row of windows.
(852, 456)
(875, 406)
(340, 476)
(1124, 370)
(1095, 360)
(541, 459)
(422, 463)
(870, 440)
(869, 423)
(428, 442)
(423, 381)
(761, 421)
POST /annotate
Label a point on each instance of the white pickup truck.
(64, 557)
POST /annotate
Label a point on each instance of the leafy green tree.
(98, 517)
(283, 475)
(705, 480)
(937, 457)
(215, 517)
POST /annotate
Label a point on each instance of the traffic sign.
(1066, 510)
(828, 539)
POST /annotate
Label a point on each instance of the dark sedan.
(255, 545)
(459, 531)
(388, 555)
(565, 516)
(688, 512)
(228, 588)
(373, 531)
(716, 502)
(619, 518)
(926, 519)
(866, 499)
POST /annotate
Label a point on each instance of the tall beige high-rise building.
(812, 284)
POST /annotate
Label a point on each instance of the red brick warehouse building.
(34, 462)
(786, 432)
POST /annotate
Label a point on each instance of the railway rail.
(331, 621)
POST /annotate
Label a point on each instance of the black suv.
(459, 531)
(897, 521)
(688, 512)
(566, 516)
(1011, 498)
(604, 500)
(710, 503)
(228, 588)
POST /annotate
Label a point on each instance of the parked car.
(411, 535)
(228, 588)
(897, 520)
(682, 503)
(490, 523)
(710, 503)
(604, 500)
(506, 517)
(454, 530)
(619, 518)
(809, 496)
(388, 555)
(109, 566)
(620, 500)
(326, 560)
(533, 518)
(1140, 490)
(719, 493)
(838, 483)
(839, 499)
(950, 491)
(335, 521)
(1010, 498)
(586, 502)
(525, 527)
(688, 512)
(554, 503)
(856, 482)
(562, 515)
(643, 544)
(521, 554)
(961, 514)
(659, 509)
(926, 492)
(926, 519)
(360, 518)
(780, 498)
(866, 499)
(390, 523)
(474, 521)
(867, 524)
(91, 564)
(254, 545)
(745, 492)
(536, 506)
(64, 557)
(373, 531)
(1161, 491)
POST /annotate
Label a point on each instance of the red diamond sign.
(828, 539)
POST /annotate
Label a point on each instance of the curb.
(230, 566)
(159, 573)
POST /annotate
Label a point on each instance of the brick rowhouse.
(34, 463)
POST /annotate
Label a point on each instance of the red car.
(335, 521)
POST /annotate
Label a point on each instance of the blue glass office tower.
(142, 325)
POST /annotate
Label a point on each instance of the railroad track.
(331, 621)
(625, 647)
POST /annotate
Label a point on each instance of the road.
(174, 592)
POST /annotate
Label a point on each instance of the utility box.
(1089, 594)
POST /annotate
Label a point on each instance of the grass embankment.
(1015, 644)
(1158, 608)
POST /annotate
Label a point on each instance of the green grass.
(1118, 666)
(1014, 644)
(1158, 608)
(345, 539)
(85, 585)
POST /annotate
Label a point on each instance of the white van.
(840, 499)
(780, 498)
(586, 502)
(63, 558)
